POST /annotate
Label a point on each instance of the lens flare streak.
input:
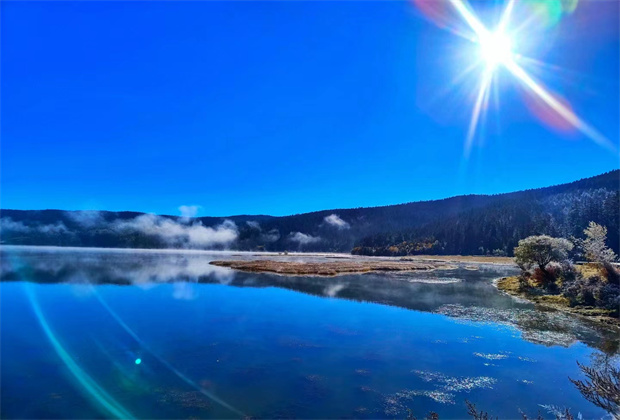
(88, 384)
(505, 19)
(556, 105)
(469, 17)
(479, 106)
(182, 376)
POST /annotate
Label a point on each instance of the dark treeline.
(497, 228)
(472, 224)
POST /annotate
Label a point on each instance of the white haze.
(272, 236)
(303, 238)
(253, 224)
(335, 221)
(174, 233)
(180, 234)
(8, 224)
(86, 218)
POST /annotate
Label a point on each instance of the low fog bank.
(139, 230)
(143, 231)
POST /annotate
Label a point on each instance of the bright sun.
(495, 48)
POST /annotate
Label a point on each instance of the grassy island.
(325, 268)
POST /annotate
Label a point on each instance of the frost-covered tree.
(594, 246)
(540, 251)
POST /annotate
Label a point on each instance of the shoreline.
(472, 259)
(556, 302)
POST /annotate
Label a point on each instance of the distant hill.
(472, 224)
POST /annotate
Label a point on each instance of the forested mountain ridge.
(472, 224)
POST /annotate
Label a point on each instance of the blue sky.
(280, 107)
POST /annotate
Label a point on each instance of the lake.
(91, 333)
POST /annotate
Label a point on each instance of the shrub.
(611, 274)
(544, 279)
(554, 275)
(581, 291)
(499, 253)
(523, 281)
(609, 297)
(592, 291)
(569, 272)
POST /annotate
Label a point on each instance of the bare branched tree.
(602, 387)
(482, 415)
(525, 417)
(430, 416)
(566, 415)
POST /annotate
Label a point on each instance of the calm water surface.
(100, 334)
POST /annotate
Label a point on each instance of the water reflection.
(167, 335)
(461, 293)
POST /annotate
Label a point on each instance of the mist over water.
(216, 343)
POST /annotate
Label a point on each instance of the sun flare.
(495, 48)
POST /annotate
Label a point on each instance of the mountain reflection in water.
(460, 293)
